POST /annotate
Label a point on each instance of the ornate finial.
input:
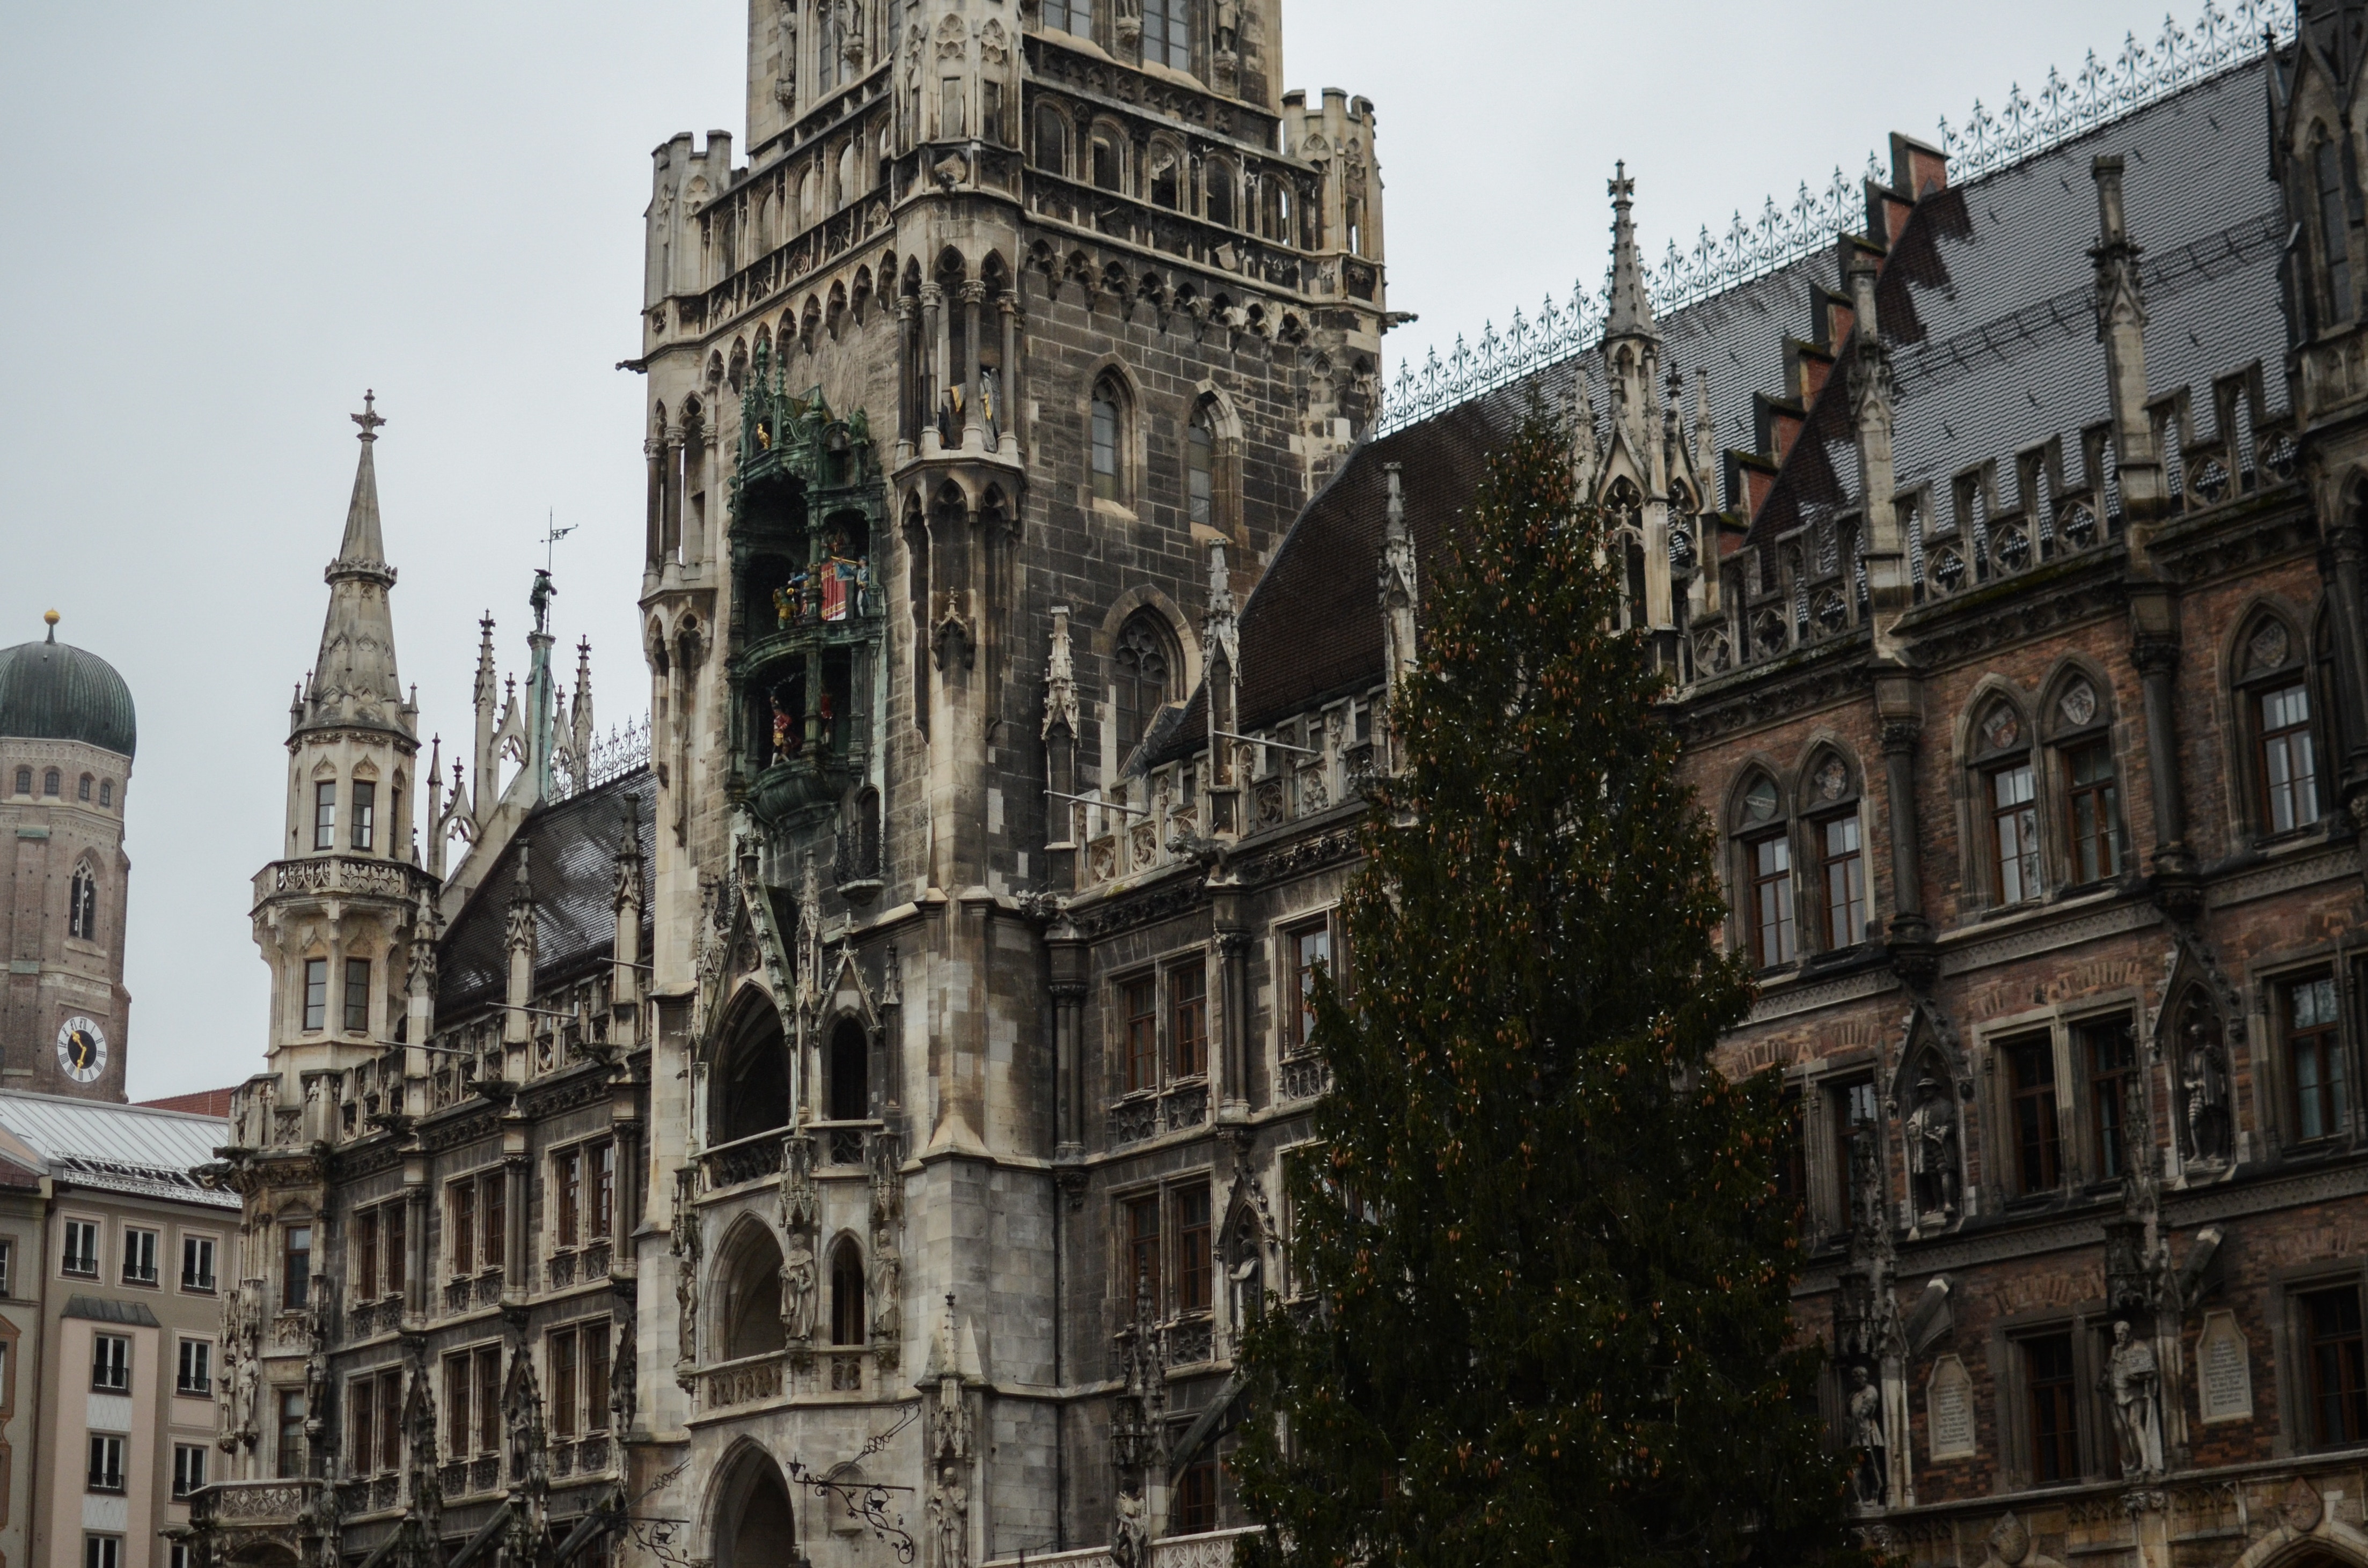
(50, 618)
(369, 418)
(1622, 187)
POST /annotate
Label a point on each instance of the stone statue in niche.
(1869, 1478)
(2204, 1083)
(2134, 1384)
(798, 1292)
(1933, 1167)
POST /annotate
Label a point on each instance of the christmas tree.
(1539, 1274)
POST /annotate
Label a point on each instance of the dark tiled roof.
(572, 871)
(1986, 301)
(101, 1310)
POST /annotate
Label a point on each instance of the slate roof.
(572, 870)
(1987, 300)
(118, 1148)
(54, 691)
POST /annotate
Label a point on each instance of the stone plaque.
(2224, 1369)
(1949, 1410)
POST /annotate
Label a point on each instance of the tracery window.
(82, 910)
(2006, 788)
(1107, 429)
(1766, 843)
(1143, 672)
(2089, 782)
(2275, 697)
(1837, 837)
(2314, 1056)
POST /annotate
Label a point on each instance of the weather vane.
(552, 534)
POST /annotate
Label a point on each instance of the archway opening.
(751, 1091)
(850, 1072)
(752, 1299)
(759, 1529)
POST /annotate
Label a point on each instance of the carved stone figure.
(800, 1199)
(950, 1518)
(2203, 1079)
(1130, 1536)
(798, 1292)
(624, 1386)
(1933, 1167)
(887, 1314)
(2134, 1382)
(1872, 1472)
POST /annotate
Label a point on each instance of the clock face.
(81, 1049)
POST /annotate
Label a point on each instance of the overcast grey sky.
(225, 221)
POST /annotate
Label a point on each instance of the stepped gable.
(1988, 299)
(572, 873)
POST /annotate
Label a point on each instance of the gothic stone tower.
(334, 916)
(1011, 350)
(66, 735)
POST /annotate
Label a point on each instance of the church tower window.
(82, 914)
(50, 783)
(24, 781)
(316, 993)
(1107, 428)
(81, 789)
(1070, 16)
(107, 791)
(358, 995)
(846, 1293)
(1200, 467)
(365, 814)
(324, 814)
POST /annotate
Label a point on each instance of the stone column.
(1070, 963)
(1233, 1000)
(2344, 539)
(418, 1289)
(1908, 923)
(908, 374)
(1008, 306)
(2154, 650)
(933, 324)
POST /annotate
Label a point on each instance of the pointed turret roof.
(353, 681)
(1631, 311)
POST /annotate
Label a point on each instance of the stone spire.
(354, 682)
(1631, 311)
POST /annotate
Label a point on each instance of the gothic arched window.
(750, 1090)
(845, 1292)
(1200, 468)
(1142, 670)
(851, 1071)
(1764, 839)
(24, 781)
(1108, 439)
(49, 782)
(2334, 231)
(1167, 178)
(2276, 699)
(81, 789)
(2078, 720)
(1052, 131)
(82, 911)
(107, 791)
(1221, 179)
(1107, 161)
(829, 47)
(2005, 791)
(1829, 801)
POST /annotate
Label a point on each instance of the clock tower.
(67, 732)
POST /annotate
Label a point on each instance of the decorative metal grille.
(621, 752)
(2222, 38)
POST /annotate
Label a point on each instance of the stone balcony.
(251, 1504)
(365, 876)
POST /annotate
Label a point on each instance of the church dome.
(50, 691)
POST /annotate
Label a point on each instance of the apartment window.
(374, 1421)
(2094, 812)
(196, 1373)
(489, 1400)
(1142, 1232)
(1200, 457)
(2313, 1057)
(106, 1462)
(7, 1265)
(563, 1392)
(316, 993)
(457, 1425)
(289, 1450)
(1843, 871)
(1196, 1498)
(1167, 33)
(197, 1263)
(567, 1186)
(1105, 409)
(365, 814)
(1770, 860)
(2288, 762)
(1187, 1014)
(295, 1267)
(2015, 832)
(102, 1552)
(2337, 1377)
(1139, 1001)
(2031, 1072)
(578, 1363)
(601, 1161)
(324, 814)
(2048, 1382)
(460, 1204)
(379, 1252)
(358, 995)
(1192, 1258)
(110, 1362)
(189, 1470)
(2110, 1051)
(473, 1402)
(1307, 950)
(81, 1254)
